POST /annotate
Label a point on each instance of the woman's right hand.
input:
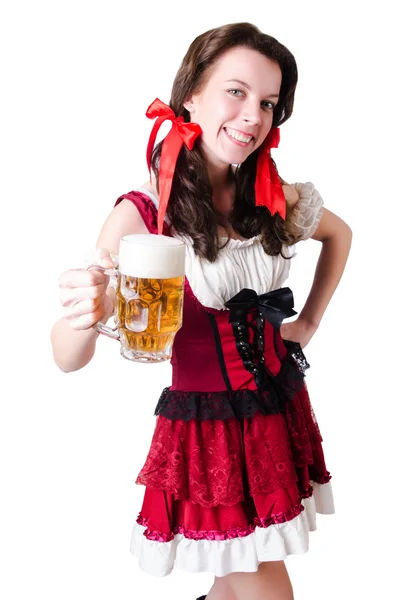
(83, 293)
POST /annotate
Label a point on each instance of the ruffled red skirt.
(220, 479)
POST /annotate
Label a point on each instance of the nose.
(252, 113)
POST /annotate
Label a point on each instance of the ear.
(189, 104)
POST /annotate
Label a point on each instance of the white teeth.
(238, 136)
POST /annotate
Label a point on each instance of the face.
(235, 107)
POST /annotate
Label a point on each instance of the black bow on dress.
(275, 306)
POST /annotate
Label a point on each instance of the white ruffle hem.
(241, 554)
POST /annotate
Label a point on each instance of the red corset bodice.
(208, 337)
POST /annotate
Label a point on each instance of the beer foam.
(151, 256)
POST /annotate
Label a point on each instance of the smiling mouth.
(239, 137)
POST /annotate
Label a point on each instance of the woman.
(235, 472)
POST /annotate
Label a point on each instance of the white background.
(76, 80)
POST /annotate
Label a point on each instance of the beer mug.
(149, 283)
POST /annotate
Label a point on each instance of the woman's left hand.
(298, 331)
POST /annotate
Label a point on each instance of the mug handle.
(111, 332)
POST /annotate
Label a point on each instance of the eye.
(268, 104)
(235, 92)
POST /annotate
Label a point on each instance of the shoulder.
(305, 214)
(124, 219)
(291, 193)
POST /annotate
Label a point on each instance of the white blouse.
(244, 263)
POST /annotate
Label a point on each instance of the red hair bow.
(180, 133)
(268, 188)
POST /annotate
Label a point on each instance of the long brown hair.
(190, 208)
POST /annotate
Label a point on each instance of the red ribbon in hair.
(268, 188)
(180, 133)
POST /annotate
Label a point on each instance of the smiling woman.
(245, 115)
(235, 473)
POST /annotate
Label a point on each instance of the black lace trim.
(296, 352)
(273, 398)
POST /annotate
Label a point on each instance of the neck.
(218, 171)
(219, 178)
(223, 191)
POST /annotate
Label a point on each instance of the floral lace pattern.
(217, 461)
(213, 462)
(304, 433)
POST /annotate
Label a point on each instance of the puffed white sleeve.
(307, 212)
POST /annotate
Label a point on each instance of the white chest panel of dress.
(240, 264)
(244, 263)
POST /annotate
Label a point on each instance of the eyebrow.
(245, 84)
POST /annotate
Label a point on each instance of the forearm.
(329, 270)
(72, 349)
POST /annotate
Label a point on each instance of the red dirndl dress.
(235, 473)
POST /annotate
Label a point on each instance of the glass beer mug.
(149, 296)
